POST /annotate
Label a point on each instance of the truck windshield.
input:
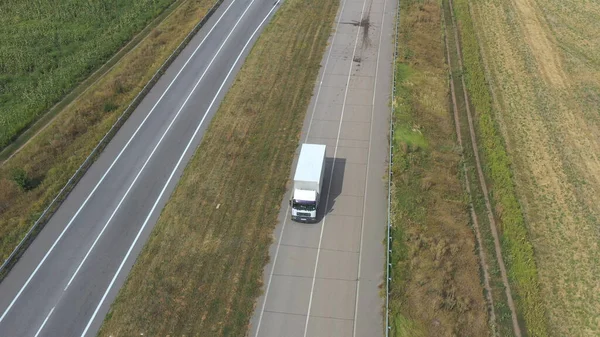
(304, 205)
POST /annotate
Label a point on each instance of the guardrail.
(64, 192)
(388, 280)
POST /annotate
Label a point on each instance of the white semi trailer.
(308, 181)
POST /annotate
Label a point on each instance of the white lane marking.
(312, 116)
(362, 225)
(173, 172)
(44, 323)
(107, 171)
(262, 311)
(312, 288)
(157, 145)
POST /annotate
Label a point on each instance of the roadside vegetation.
(534, 78)
(503, 293)
(34, 175)
(200, 272)
(48, 47)
(436, 288)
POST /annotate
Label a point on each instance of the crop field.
(436, 287)
(48, 47)
(542, 64)
(34, 175)
(201, 270)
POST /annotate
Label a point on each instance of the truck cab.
(304, 206)
(308, 181)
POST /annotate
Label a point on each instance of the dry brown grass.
(201, 270)
(544, 49)
(436, 288)
(545, 73)
(50, 159)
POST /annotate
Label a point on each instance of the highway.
(323, 279)
(64, 283)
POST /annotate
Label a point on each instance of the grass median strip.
(436, 288)
(35, 175)
(200, 272)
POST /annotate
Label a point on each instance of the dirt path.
(483, 185)
(482, 259)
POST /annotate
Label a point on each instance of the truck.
(308, 182)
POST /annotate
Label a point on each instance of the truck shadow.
(337, 180)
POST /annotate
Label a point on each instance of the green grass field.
(48, 47)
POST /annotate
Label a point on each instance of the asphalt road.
(65, 282)
(323, 279)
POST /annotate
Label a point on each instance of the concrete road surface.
(65, 282)
(323, 278)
